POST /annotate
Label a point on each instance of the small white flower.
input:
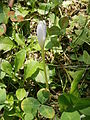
(41, 33)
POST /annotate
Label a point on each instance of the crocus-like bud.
(41, 33)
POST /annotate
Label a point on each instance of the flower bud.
(41, 33)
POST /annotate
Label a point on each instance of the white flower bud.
(41, 33)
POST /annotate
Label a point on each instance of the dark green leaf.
(86, 57)
(64, 22)
(19, 59)
(54, 30)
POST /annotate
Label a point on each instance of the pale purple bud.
(41, 33)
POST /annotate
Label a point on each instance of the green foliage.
(30, 105)
(4, 13)
(69, 102)
(5, 43)
(19, 59)
(30, 68)
(2, 95)
(20, 93)
(67, 56)
(43, 95)
(70, 116)
(77, 77)
(46, 111)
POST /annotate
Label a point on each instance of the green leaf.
(2, 95)
(41, 75)
(69, 102)
(64, 22)
(86, 57)
(19, 39)
(2, 85)
(21, 93)
(10, 101)
(43, 95)
(77, 77)
(5, 43)
(2, 75)
(19, 59)
(86, 111)
(6, 67)
(57, 2)
(53, 42)
(29, 116)
(65, 102)
(70, 116)
(30, 68)
(54, 30)
(46, 111)
(30, 105)
(4, 13)
(81, 103)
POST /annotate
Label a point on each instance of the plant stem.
(44, 67)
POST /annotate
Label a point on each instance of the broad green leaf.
(81, 103)
(65, 102)
(2, 95)
(20, 93)
(41, 76)
(69, 102)
(46, 111)
(86, 57)
(4, 13)
(22, 11)
(77, 77)
(64, 22)
(44, 8)
(70, 116)
(2, 75)
(5, 43)
(30, 105)
(43, 95)
(29, 116)
(86, 111)
(19, 59)
(53, 42)
(30, 68)
(6, 67)
(54, 30)
(19, 39)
